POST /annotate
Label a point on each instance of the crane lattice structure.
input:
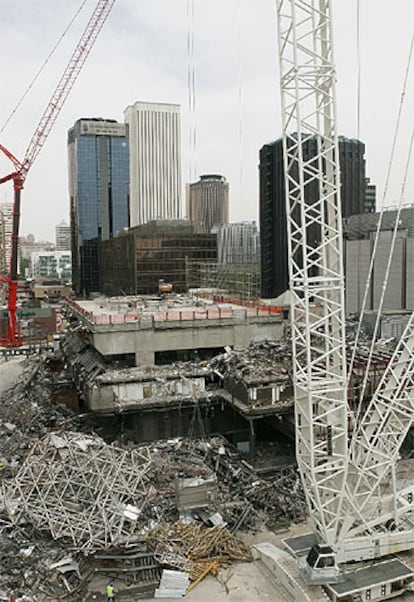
(42, 131)
(349, 477)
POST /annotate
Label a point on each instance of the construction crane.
(42, 131)
(348, 471)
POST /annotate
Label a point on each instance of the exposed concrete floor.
(10, 372)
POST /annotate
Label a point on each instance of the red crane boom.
(21, 168)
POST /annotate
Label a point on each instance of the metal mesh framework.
(307, 79)
(376, 442)
(80, 488)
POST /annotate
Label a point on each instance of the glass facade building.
(99, 194)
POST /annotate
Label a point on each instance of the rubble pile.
(260, 360)
(79, 488)
(192, 547)
(67, 496)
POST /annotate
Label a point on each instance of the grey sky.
(141, 55)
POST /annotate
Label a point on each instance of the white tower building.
(62, 231)
(6, 227)
(155, 161)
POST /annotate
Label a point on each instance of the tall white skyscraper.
(62, 231)
(6, 228)
(155, 161)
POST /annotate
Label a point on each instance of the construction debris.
(192, 547)
(173, 584)
(73, 505)
(81, 489)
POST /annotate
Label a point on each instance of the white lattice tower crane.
(315, 266)
(349, 478)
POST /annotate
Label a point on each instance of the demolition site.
(154, 446)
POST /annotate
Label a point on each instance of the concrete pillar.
(252, 440)
(144, 357)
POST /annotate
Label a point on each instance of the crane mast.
(42, 131)
(349, 477)
(312, 188)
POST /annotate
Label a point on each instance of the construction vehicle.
(348, 468)
(21, 168)
(164, 287)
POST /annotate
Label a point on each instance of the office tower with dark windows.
(272, 204)
(207, 203)
(155, 161)
(99, 194)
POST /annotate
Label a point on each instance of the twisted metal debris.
(78, 487)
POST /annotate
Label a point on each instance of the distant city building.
(161, 250)
(370, 197)
(272, 204)
(237, 243)
(99, 193)
(155, 161)
(62, 231)
(208, 202)
(52, 264)
(359, 234)
(6, 228)
(28, 245)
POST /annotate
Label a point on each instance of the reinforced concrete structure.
(155, 161)
(145, 329)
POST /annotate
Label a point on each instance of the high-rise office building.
(62, 232)
(6, 228)
(237, 243)
(155, 161)
(99, 194)
(272, 204)
(208, 203)
(370, 196)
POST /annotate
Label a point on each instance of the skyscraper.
(208, 203)
(62, 232)
(6, 227)
(99, 193)
(273, 228)
(155, 161)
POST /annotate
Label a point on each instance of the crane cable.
(358, 41)
(377, 233)
(387, 271)
(191, 90)
(240, 98)
(42, 67)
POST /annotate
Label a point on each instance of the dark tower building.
(99, 194)
(273, 228)
(208, 203)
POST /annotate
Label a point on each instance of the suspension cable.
(358, 42)
(191, 91)
(42, 67)
(387, 273)
(384, 198)
(240, 103)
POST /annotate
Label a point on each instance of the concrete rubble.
(75, 505)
